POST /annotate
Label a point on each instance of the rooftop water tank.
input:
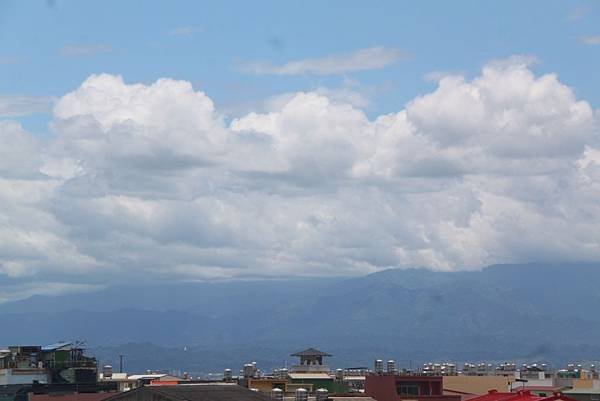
(378, 365)
(322, 394)
(277, 394)
(107, 371)
(391, 367)
(301, 394)
(248, 370)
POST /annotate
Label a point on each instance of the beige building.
(476, 384)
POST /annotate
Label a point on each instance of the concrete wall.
(11, 376)
(583, 383)
(476, 384)
(384, 388)
(261, 385)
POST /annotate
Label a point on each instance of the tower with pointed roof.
(311, 357)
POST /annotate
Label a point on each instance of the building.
(152, 378)
(121, 381)
(66, 363)
(392, 387)
(478, 385)
(584, 394)
(266, 384)
(311, 357)
(312, 373)
(60, 363)
(22, 365)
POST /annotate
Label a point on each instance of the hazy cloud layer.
(85, 49)
(15, 106)
(187, 31)
(151, 181)
(591, 40)
(372, 58)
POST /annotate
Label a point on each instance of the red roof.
(520, 395)
(463, 396)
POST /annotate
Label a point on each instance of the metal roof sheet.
(148, 376)
(55, 346)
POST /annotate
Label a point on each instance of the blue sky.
(250, 139)
(50, 47)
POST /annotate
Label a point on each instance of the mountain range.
(534, 312)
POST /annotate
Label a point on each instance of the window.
(408, 389)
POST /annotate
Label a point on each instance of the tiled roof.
(311, 352)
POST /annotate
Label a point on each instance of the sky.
(217, 140)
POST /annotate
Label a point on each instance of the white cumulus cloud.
(154, 180)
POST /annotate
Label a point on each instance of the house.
(393, 387)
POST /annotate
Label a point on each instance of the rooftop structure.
(60, 363)
(311, 361)
(57, 346)
(311, 356)
(389, 387)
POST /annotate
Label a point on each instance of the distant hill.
(537, 312)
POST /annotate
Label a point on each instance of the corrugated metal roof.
(148, 376)
(55, 346)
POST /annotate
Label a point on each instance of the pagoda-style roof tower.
(311, 356)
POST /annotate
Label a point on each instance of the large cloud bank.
(151, 181)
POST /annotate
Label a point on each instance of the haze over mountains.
(537, 312)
